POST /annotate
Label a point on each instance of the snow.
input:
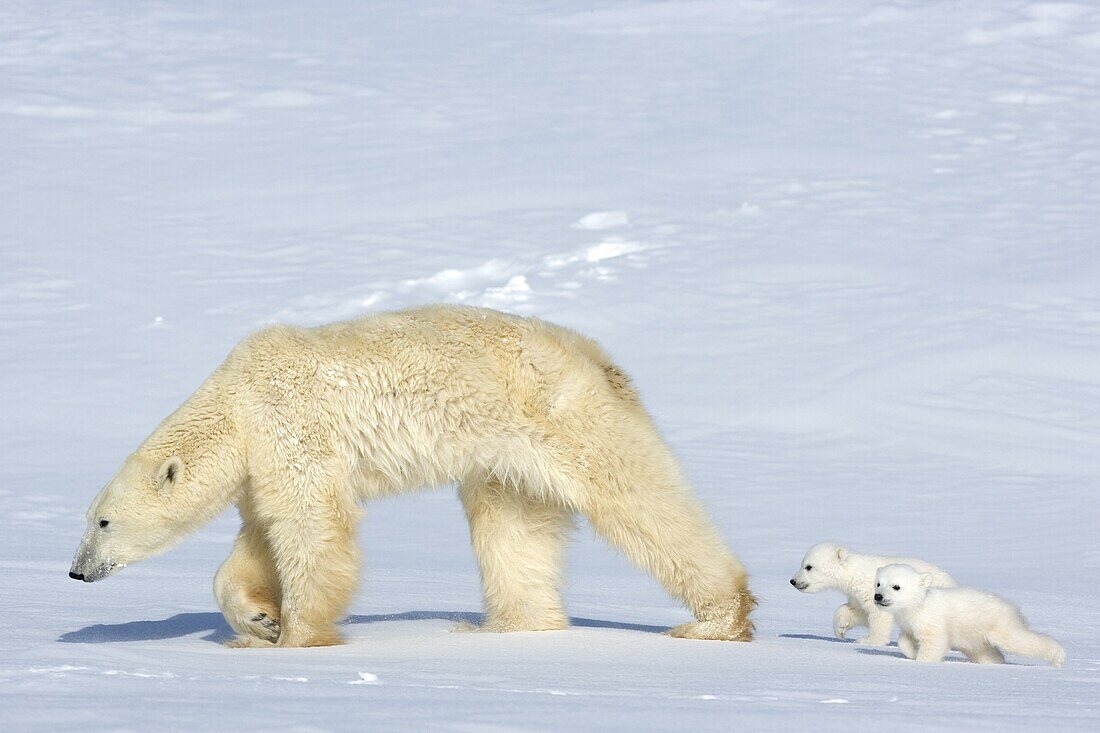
(849, 252)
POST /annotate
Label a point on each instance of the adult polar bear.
(299, 425)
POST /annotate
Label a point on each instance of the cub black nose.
(878, 596)
(76, 576)
(794, 583)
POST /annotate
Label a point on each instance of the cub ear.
(169, 473)
(841, 554)
(926, 580)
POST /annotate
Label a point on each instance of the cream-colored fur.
(299, 426)
(981, 625)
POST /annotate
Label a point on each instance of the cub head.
(820, 568)
(129, 519)
(898, 587)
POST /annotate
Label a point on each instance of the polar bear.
(979, 624)
(827, 566)
(300, 425)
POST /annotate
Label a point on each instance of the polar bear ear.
(841, 554)
(169, 473)
(926, 580)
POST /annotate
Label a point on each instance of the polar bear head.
(130, 519)
(821, 567)
(898, 587)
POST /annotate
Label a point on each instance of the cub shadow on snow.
(891, 651)
(185, 624)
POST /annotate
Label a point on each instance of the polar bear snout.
(89, 565)
(880, 601)
(798, 585)
(91, 574)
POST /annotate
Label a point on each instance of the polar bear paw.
(843, 621)
(868, 641)
(715, 630)
(263, 627)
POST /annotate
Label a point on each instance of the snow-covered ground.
(849, 251)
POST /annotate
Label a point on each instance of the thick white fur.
(299, 426)
(831, 567)
(981, 625)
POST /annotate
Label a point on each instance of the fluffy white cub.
(827, 566)
(977, 623)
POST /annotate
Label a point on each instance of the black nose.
(794, 583)
(878, 596)
(76, 576)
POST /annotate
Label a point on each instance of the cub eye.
(103, 523)
(878, 585)
(897, 587)
(809, 567)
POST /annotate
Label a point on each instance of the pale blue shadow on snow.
(185, 624)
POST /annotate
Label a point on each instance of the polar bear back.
(968, 615)
(413, 398)
(864, 568)
(940, 577)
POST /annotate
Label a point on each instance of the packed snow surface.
(849, 251)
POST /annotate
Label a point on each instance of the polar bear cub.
(829, 567)
(979, 624)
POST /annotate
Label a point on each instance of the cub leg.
(519, 543)
(879, 624)
(932, 647)
(908, 645)
(985, 655)
(848, 617)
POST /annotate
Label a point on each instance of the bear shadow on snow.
(815, 637)
(185, 624)
(182, 624)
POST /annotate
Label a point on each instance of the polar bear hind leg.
(639, 503)
(247, 588)
(519, 543)
(985, 654)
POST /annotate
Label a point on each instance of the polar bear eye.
(809, 567)
(103, 523)
(897, 587)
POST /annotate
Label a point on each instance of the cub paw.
(868, 641)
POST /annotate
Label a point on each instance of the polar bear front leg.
(879, 625)
(247, 588)
(932, 646)
(519, 544)
(848, 617)
(314, 549)
(908, 645)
